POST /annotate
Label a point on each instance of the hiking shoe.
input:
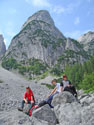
(20, 109)
(27, 113)
(50, 105)
(36, 106)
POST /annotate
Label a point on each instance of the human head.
(54, 82)
(27, 89)
(64, 77)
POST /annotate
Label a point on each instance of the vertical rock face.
(2, 46)
(40, 39)
(87, 40)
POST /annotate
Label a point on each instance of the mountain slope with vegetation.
(87, 40)
(40, 41)
(82, 75)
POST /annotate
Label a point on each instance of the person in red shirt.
(28, 99)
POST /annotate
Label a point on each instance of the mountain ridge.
(87, 40)
(40, 39)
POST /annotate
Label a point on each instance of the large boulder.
(63, 98)
(46, 114)
(87, 99)
(70, 112)
(19, 118)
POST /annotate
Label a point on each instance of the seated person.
(28, 99)
(55, 91)
(67, 86)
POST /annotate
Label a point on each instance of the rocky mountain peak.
(86, 38)
(40, 39)
(42, 15)
(2, 45)
(88, 42)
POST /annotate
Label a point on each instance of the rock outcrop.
(40, 39)
(87, 40)
(70, 112)
(45, 114)
(2, 46)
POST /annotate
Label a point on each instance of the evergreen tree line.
(82, 75)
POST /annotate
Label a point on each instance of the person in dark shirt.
(67, 86)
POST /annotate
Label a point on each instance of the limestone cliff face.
(2, 46)
(87, 40)
(39, 38)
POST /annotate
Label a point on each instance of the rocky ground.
(67, 110)
(12, 91)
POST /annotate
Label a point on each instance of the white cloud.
(74, 34)
(89, 1)
(77, 21)
(10, 33)
(77, 33)
(10, 29)
(11, 11)
(68, 9)
(58, 9)
(39, 3)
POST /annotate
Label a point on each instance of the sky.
(72, 17)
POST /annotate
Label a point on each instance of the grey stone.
(2, 46)
(45, 113)
(74, 113)
(87, 40)
(63, 98)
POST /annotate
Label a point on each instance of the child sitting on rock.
(55, 91)
(67, 86)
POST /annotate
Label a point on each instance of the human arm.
(69, 84)
(25, 96)
(32, 99)
(53, 91)
(32, 96)
(25, 100)
(61, 86)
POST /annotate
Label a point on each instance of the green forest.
(82, 75)
(32, 67)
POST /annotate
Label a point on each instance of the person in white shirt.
(55, 91)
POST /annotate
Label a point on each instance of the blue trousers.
(49, 100)
(29, 102)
